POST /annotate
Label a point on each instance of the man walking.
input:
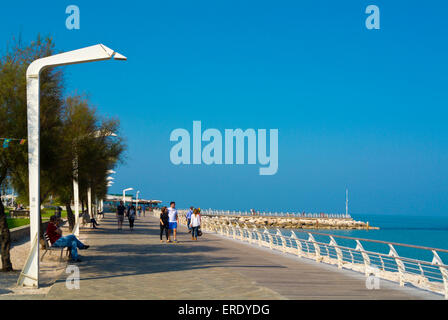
(120, 215)
(188, 216)
(173, 219)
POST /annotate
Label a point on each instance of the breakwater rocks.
(293, 223)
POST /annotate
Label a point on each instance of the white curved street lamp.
(136, 199)
(30, 273)
(124, 194)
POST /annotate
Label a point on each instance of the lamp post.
(76, 194)
(110, 182)
(124, 194)
(136, 200)
(30, 272)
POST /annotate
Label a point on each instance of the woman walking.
(195, 224)
(164, 224)
(131, 217)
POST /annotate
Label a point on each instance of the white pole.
(346, 202)
(96, 207)
(30, 272)
(124, 194)
(89, 201)
(76, 197)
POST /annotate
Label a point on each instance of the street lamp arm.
(98, 52)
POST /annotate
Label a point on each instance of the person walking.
(164, 225)
(139, 210)
(173, 219)
(131, 216)
(120, 215)
(195, 224)
(188, 217)
(144, 210)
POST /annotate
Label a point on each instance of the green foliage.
(13, 113)
(15, 223)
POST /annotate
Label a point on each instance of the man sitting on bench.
(57, 240)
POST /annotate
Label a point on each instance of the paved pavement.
(135, 265)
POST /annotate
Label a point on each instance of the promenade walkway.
(135, 265)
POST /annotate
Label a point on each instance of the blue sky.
(357, 108)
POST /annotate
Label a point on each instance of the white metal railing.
(212, 212)
(432, 276)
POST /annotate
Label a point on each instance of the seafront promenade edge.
(135, 265)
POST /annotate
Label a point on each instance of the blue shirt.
(189, 213)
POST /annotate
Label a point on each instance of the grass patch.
(47, 213)
(19, 222)
(15, 223)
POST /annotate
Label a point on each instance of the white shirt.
(172, 214)
(195, 220)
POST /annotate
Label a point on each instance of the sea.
(424, 231)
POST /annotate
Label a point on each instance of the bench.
(19, 213)
(85, 219)
(49, 247)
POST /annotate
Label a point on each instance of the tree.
(88, 150)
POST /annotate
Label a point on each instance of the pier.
(135, 265)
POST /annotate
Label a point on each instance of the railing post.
(249, 233)
(400, 264)
(279, 233)
(316, 247)
(259, 237)
(268, 234)
(365, 257)
(298, 243)
(228, 230)
(233, 231)
(437, 260)
(240, 236)
(334, 244)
